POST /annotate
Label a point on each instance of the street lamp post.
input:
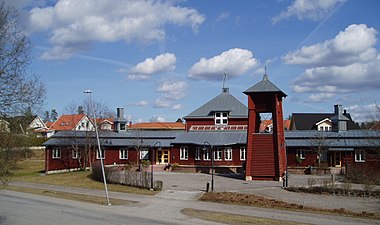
(99, 148)
(212, 163)
(286, 169)
(151, 164)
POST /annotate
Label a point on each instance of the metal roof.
(264, 86)
(307, 121)
(214, 138)
(344, 139)
(224, 102)
(109, 138)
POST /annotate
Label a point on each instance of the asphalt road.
(21, 209)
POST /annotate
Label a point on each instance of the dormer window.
(221, 118)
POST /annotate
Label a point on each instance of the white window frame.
(144, 155)
(243, 153)
(198, 153)
(183, 153)
(222, 117)
(74, 154)
(228, 154)
(56, 153)
(206, 154)
(301, 154)
(359, 155)
(103, 154)
(218, 154)
(123, 153)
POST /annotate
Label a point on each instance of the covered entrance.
(337, 159)
(163, 156)
(340, 157)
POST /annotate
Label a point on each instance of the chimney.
(120, 113)
(120, 122)
(339, 121)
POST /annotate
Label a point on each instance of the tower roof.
(264, 86)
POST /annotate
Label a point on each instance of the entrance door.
(163, 156)
(337, 159)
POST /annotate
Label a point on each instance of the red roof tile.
(67, 122)
(158, 126)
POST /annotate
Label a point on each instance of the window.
(242, 154)
(301, 154)
(123, 153)
(228, 154)
(221, 118)
(122, 126)
(75, 154)
(198, 153)
(56, 153)
(206, 154)
(144, 154)
(359, 156)
(218, 154)
(183, 153)
(103, 154)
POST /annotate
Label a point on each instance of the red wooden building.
(222, 134)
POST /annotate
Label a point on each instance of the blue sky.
(164, 59)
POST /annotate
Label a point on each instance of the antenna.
(224, 83)
(224, 79)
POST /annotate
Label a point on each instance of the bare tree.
(101, 109)
(320, 144)
(18, 90)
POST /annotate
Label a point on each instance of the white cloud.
(236, 61)
(223, 16)
(161, 63)
(320, 97)
(161, 103)
(362, 113)
(348, 63)
(355, 44)
(306, 9)
(177, 107)
(73, 23)
(157, 119)
(173, 90)
(141, 103)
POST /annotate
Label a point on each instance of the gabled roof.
(264, 86)
(21, 124)
(158, 126)
(67, 122)
(103, 120)
(224, 102)
(323, 121)
(307, 121)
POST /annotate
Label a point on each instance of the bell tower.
(266, 151)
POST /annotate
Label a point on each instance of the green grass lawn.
(31, 170)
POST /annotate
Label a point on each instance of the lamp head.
(87, 91)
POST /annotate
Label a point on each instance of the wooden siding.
(191, 157)
(263, 160)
